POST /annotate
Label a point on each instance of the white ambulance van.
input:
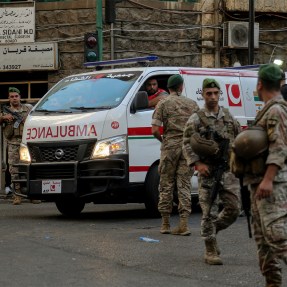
(89, 138)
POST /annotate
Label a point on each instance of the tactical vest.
(226, 119)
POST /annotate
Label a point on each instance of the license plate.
(51, 186)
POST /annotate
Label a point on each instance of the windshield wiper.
(43, 111)
(52, 111)
(92, 108)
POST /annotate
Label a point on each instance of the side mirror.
(140, 102)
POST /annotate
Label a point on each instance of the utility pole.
(251, 33)
(99, 27)
(216, 35)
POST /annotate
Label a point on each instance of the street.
(39, 247)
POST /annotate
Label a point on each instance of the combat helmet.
(203, 147)
(250, 142)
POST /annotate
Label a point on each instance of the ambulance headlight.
(24, 153)
(104, 148)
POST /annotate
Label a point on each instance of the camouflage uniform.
(227, 127)
(14, 140)
(270, 214)
(173, 113)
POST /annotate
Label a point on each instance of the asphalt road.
(39, 247)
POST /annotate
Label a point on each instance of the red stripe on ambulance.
(138, 168)
(142, 131)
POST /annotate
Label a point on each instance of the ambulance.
(89, 140)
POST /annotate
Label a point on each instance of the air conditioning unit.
(235, 34)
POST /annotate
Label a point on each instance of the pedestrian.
(13, 135)
(265, 172)
(172, 113)
(212, 120)
(155, 94)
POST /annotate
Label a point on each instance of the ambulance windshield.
(88, 92)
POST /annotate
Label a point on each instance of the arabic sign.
(17, 24)
(29, 56)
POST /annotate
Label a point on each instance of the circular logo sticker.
(115, 125)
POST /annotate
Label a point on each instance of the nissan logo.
(59, 153)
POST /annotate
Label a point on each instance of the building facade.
(182, 33)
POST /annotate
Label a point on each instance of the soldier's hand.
(264, 189)
(8, 118)
(202, 169)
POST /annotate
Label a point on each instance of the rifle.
(245, 200)
(16, 116)
(221, 166)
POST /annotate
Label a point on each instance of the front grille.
(52, 172)
(65, 152)
(70, 153)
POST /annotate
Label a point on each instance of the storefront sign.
(29, 56)
(17, 24)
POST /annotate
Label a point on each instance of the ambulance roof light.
(121, 61)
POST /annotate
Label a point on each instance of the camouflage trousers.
(13, 158)
(270, 231)
(228, 196)
(174, 175)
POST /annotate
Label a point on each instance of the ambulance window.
(155, 86)
(160, 80)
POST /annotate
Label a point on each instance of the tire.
(71, 207)
(151, 192)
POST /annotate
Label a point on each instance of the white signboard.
(17, 24)
(29, 56)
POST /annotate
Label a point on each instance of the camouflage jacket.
(173, 113)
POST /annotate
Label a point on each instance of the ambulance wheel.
(70, 208)
(151, 192)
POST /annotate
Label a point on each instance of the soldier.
(266, 174)
(173, 112)
(14, 135)
(212, 120)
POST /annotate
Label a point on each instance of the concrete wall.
(260, 5)
(140, 29)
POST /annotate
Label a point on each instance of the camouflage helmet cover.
(203, 147)
(250, 143)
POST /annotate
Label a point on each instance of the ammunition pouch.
(8, 131)
(19, 131)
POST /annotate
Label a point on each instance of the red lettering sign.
(61, 132)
